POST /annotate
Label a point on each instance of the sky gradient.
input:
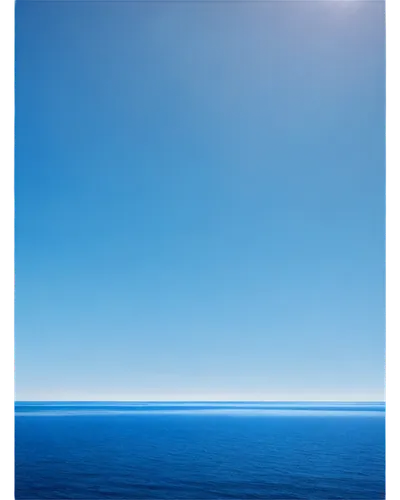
(200, 201)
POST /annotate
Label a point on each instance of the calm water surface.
(200, 451)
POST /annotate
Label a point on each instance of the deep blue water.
(200, 451)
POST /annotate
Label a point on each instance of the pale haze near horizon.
(200, 201)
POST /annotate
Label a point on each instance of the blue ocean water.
(199, 451)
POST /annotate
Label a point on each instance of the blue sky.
(200, 200)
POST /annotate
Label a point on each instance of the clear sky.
(200, 200)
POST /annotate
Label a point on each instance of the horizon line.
(195, 401)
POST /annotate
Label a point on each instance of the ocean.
(199, 451)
